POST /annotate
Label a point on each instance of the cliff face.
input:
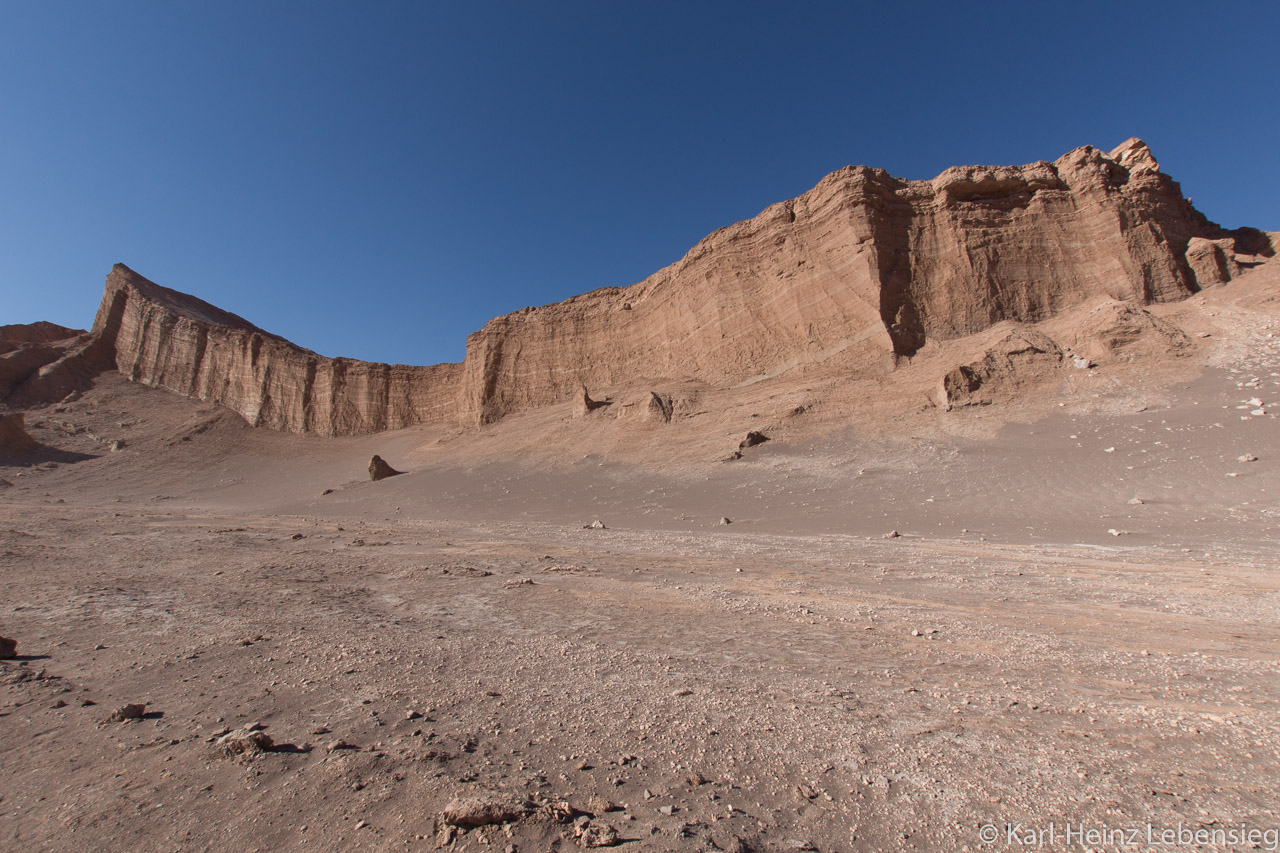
(864, 268)
(167, 339)
(861, 271)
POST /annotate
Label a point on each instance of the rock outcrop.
(380, 470)
(862, 271)
(583, 405)
(167, 339)
(14, 437)
(1013, 359)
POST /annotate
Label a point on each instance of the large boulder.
(13, 433)
(1018, 357)
(380, 470)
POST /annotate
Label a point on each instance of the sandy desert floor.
(1075, 632)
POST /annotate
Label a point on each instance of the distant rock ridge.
(858, 273)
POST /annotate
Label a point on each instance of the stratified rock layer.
(168, 339)
(861, 271)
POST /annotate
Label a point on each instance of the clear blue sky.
(377, 179)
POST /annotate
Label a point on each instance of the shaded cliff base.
(794, 680)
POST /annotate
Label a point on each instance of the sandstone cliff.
(855, 275)
(865, 269)
(168, 339)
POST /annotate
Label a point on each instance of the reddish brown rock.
(471, 812)
(125, 713)
(244, 744)
(167, 339)
(583, 404)
(13, 433)
(859, 271)
(856, 274)
(380, 470)
(42, 332)
(1015, 359)
(8, 648)
(1212, 261)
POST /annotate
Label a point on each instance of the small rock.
(470, 812)
(413, 715)
(296, 537)
(1248, 457)
(1115, 532)
(338, 744)
(696, 779)
(244, 743)
(326, 492)
(597, 833)
(116, 446)
(682, 692)
(132, 711)
(724, 519)
(599, 805)
(559, 811)
(892, 534)
(1108, 450)
(753, 438)
(8, 648)
(915, 632)
(595, 525)
(61, 703)
(667, 810)
(321, 730)
(1135, 501)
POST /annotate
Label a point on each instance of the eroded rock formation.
(167, 339)
(1013, 359)
(864, 269)
(858, 273)
(13, 433)
(380, 470)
